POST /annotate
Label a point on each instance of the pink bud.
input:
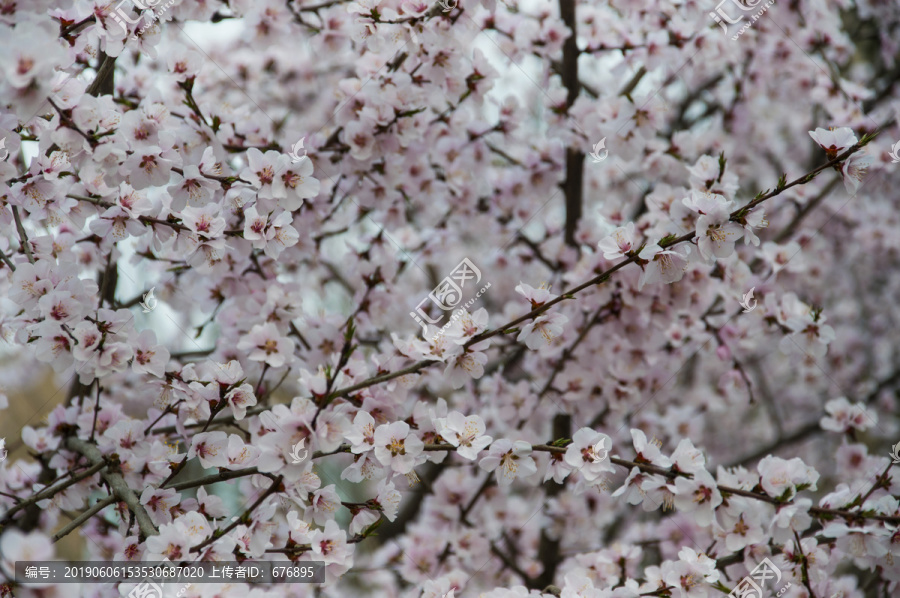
(723, 353)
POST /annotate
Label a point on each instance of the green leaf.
(667, 240)
(368, 531)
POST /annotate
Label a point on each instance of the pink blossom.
(589, 453)
(330, 546)
(665, 266)
(537, 297)
(468, 364)
(782, 478)
(239, 399)
(264, 343)
(362, 434)
(834, 141)
(240, 455)
(262, 170)
(512, 458)
(844, 416)
(619, 243)
(159, 503)
(465, 433)
(210, 448)
(542, 330)
(396, 447)
(854, 170)
(699, 496)
(149, 357)
(716, 234)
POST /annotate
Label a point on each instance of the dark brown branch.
(104, 82)
(222, 476)
(219, 533)
(574, 183)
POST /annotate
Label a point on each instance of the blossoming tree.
(682, 362)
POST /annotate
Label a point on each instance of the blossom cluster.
(686, 363)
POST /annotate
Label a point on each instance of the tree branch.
(53, 490)
(116, 483)
(78, 521)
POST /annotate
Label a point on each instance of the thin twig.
(75, 523)
(222, 476)
(599, 279)
(23, 238)
(6, 261)
(271, 490)
(53, 490)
